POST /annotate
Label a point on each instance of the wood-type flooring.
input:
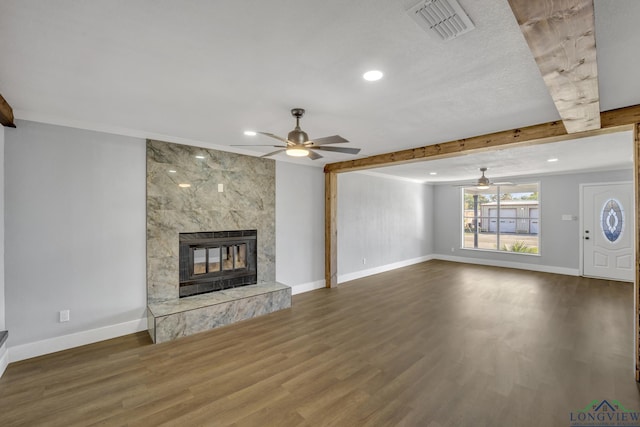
(433, 344)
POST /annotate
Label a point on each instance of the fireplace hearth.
(217, 260)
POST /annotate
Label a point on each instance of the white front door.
(608, 231)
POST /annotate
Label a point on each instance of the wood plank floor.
(434, 344)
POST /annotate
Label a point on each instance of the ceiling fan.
(298, 144)
(483, 183)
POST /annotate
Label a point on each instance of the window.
(502, 218)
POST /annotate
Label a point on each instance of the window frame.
(497, 190)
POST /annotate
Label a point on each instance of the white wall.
(299, 226)
(559, 240)
(388, 222)
(75, 236)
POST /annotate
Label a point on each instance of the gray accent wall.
(246, 202)
(559, 239)
(382, 220)
(75, 239)
(299, 224)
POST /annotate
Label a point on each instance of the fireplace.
(217, 260)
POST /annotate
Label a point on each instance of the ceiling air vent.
(443, 18)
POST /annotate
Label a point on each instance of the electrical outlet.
(64, 315)
(453, 250)
(220, 188)
(364, 261)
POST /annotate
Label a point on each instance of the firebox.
(216, 260)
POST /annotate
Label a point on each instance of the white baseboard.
(306, 287)
(510, 264)
(381, 269)
(51, 345)
(4, 358)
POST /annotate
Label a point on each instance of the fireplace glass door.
(206, 260)
(199, 261)
(234, 257)
(217, 260)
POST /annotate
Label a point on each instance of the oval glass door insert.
(612, 220)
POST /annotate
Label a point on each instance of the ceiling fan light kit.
(483, 182)
(297, 143)
(297, 152)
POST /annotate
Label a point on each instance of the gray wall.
(383, 220)
(299, 224)
(75, 230)
(559, 194)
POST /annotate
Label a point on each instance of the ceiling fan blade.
(338, 149)
(274, 152)
(313, 155)
(333, 139)
(279, 138)
(257, 145)
(475, 184)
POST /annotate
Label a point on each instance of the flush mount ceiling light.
(553, 159)
(250, 133)
(444, 19)
(433, 173)
(373, 75)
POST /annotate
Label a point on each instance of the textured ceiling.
(602, 152)
(202, 72)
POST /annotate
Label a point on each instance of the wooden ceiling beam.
(561, 37)
(6, 113)
(611, 121)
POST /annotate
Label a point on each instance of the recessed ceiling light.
(172, 171)
(551, 160)
(199, 157)
(433, 173)
(372, 76)
(250, 133)
(184, 185)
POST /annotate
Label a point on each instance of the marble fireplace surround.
(247, 201)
